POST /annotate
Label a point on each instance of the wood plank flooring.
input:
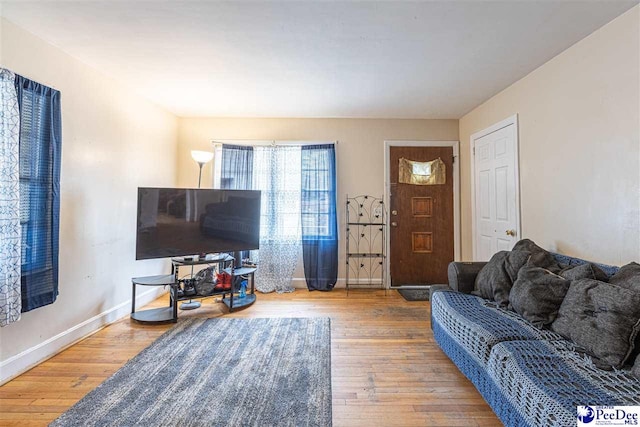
(386, 368)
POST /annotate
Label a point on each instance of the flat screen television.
(174, 222)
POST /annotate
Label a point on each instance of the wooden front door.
(421, 231)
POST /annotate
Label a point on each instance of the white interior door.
(497, 204)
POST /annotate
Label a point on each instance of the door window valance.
(422, 173)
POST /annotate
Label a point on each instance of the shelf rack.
(221, 262)
(365, 242)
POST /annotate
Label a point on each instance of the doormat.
(220, 372)
(415, 294)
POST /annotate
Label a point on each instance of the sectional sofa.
(528, 373)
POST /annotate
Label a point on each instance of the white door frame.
(512, 120)
(456, 193)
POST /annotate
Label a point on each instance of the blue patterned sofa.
(529, 376)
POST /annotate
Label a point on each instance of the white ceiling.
(436, 59)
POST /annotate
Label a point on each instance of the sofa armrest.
(432, 289)
(462, 275)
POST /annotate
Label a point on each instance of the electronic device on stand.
(181, 222)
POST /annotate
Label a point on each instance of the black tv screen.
(176, 222)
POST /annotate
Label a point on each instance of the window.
(276, 173)
(298, 185)
(318, 194)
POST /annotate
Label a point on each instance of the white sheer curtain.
(10, 230)
(277, 173)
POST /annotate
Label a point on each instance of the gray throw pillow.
(584, 271)
(495, 279)
(601, 317)
(539, 256)
(628, 276)
(537, 295)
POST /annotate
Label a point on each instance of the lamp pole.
(201, 158)
(200, 174)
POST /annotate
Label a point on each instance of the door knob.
(394, 212)
(394, 224)
(511, 233)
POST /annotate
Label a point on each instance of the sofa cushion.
(495, 279)
(601, 317)
(545, 380)
(628, 276)
(565, 261)
(477, 324)
(537, 295)
(584, 271)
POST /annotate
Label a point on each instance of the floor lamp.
(201, 158)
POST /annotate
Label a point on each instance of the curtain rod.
(263, 142)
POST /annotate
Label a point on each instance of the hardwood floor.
(386, 368)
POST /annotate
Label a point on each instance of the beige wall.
(579, 154)
(579, 148)
(112, 143)
(360, 150)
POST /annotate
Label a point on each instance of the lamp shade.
(201, 156)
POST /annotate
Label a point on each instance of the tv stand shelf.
(217, 259)
(237, 302)
(155, 315)
(170, 314)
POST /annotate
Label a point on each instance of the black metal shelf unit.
(366, 244)
(221, 262)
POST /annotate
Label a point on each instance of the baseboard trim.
(22, 362)
(301, 283)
